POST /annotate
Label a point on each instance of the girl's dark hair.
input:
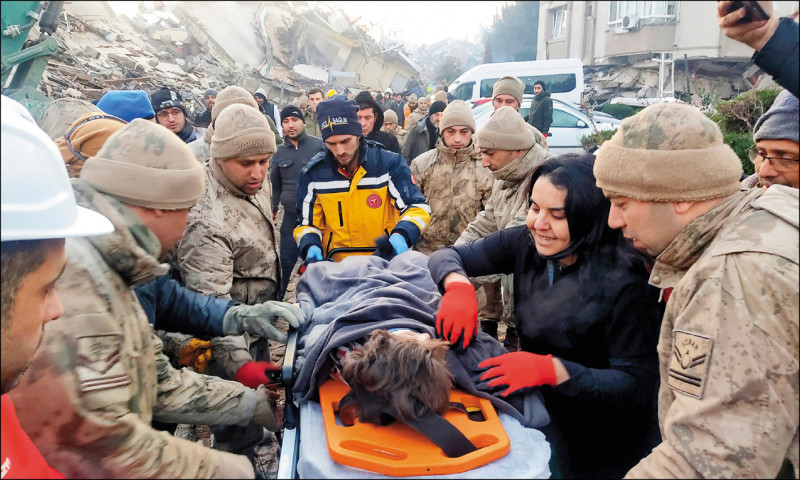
(586, 207)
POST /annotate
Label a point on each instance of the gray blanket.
(344, 301)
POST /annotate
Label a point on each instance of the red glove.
(519, 370)
(458, 314)
(252, 374)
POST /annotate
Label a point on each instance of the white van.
(563, 79)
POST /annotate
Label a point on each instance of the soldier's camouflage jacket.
(100, 377)
(507, 205)
(229, 246)
(456, 187)
(728, 402)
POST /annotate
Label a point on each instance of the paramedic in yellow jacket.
(355, 191)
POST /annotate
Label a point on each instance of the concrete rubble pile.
(722, 79)
(201, 45)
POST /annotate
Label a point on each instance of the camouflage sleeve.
(483, 225)
(185, 396)
(732, 373)
(205, 260)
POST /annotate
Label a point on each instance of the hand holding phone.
(753, 12)
(748, 22)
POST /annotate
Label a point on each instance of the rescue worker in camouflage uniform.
(201, 148)
(100, 372)
(510, 151)
(419, 113)
(728, 402)
(508, 92)
(452, 179)
(229, 248)
(314, 97)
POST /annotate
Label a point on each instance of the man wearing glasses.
(171, 113)
(776, 154)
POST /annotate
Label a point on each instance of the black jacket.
(377, 135)
(172, 307)
(203, 119)
(601, 319)
(285, 166)
(541, 115)
(779, 56)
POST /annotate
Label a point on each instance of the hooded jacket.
(541, 114)
(506, 206)
(377, 135)
(457, 188)
(102, 378)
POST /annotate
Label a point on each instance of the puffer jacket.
(457, 188)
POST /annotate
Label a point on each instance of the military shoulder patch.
(99, 366)
(688, 365)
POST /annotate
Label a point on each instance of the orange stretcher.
(399, 450)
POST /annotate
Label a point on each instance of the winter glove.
(268, 413)
(259, 319)
(314, 254)
(252, 374)
(518, 370)
(196, 353)
(457, 317)
(398, 243)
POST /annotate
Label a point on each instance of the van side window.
(557, 83)
(487, 86)
(464, 91)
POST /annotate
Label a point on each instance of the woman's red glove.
(519, 370)
(458, 314)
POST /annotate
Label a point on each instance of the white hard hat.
(37, 198)
(388, 90)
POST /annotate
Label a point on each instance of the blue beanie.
(338, 116)
(127, 104)
(780, 122)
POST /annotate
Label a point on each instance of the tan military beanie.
(668, 152)
(230, 96)
(457, 113)
(505, 130)
(440, 96)
(509, 85)
(145, 164)
(242, 131)
(389, 116)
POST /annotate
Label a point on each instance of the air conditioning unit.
(630, 22)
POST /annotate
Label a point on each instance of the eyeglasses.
(780, 164)
(78, 154)
(167, 112)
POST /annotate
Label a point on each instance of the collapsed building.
(282, 47)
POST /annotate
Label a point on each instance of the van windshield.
(556, 83)
(464, 91)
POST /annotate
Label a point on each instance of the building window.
(645, 13)
(559, 22)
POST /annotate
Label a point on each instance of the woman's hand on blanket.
(457, 318)
(259, 319)
(398, 243)
(314, 254)
(517, 371)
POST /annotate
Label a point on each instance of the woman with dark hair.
(587, 319)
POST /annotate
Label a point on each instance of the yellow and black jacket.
(380, 199)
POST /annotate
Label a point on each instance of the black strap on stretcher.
(433, 426)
